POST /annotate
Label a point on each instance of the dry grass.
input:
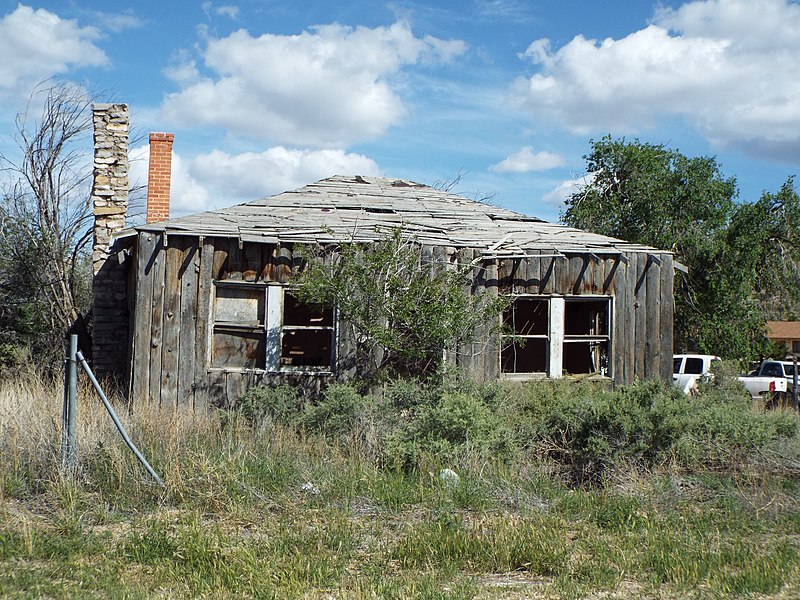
(237, 518)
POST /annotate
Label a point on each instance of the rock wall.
(110, 201)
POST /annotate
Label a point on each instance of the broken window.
(265, 327)
(238, 336)
(307, 334)
(556, 336)
(586, 336)
(525, 340)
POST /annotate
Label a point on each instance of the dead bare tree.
(46, 203)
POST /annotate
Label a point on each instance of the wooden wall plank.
(489, 360)
(346, 351)
(220, 263)
(534, 274)
(505, 267)
(251, 261)
(595, 276)
(284, 264)
(187, 341)
(610, 277)
(156, 320)
(235, 256)
(176, 254)
(629, 316)
(464, 358)
(547, 282)
(653, 318)
(142, 315)
(269, 257)
(520, 276)
(618, 367)
(578, 266)
(235, 387)
(667, 315)
(205, 294)
(640, 315)
(563, 284)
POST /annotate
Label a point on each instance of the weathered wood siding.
(641, 299)
(173, 313)
(173, 318)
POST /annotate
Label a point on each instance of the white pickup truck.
(688, 369)
(777, 368)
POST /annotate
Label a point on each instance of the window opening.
(694, 366)
(676, 365)
(266, 327)
(586, 336)
(525, 345)
(238, 334)
(307, 334)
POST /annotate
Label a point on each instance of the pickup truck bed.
(760, 386)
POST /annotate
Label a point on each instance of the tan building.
(785, 333)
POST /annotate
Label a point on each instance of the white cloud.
(526, 160)
(117, 22)
(326, 87)
(36, 44)
(254, 175)
(232, 12)
(229, 10)
(187, 194)
(729, 67)
(564, 190)
(218, 179)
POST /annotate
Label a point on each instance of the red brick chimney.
(158, 177)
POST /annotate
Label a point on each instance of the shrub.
(261, 404)
(337, 413)
(453, 422)
(588, 429)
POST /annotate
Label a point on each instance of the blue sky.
(265, 96)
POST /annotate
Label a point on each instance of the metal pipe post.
(69, 442)
(65, 409)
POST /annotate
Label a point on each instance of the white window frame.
(273, 330)
(556, 336)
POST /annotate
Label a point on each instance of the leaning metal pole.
(116, 420)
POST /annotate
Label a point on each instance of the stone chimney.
(110, 187)
(159, 176)
(110, 201)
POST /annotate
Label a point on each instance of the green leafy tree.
(405, 308)
(738, 254)
(766, 235)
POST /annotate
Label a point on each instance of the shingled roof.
(364, 209)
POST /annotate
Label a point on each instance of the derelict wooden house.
(210, 310)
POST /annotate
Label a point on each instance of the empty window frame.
(238, 338)
(586, 336)
(266, 327)
(556, 336)
(524, 347)
(307, 334)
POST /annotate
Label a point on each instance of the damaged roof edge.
(357, 209)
